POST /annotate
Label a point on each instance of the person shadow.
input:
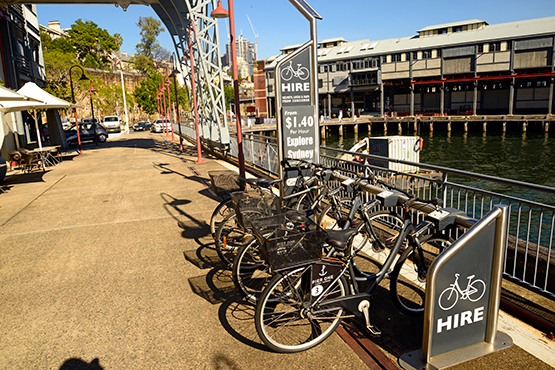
(78, 364)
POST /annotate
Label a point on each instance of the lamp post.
(124, 99)
(193, 86)
(167, 85)
(174, 75)
(82, 78)
(91, 90)
(163, 97)
(220, 12)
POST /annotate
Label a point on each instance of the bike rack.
(460, 325)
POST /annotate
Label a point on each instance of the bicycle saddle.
(259, 182)
(339, 239)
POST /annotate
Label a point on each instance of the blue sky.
(279, 24)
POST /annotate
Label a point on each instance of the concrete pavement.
(107, 263)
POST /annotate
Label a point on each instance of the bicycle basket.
(254, 204)
(225, 182)
(289, 240)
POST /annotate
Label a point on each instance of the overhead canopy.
(40, 99)
(43, 100)
(7, 95)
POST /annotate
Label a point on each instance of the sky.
(279, 24)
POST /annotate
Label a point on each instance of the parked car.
(160, 125)
(142, 126)
(89, 120)
(112, 123)
(86, 132)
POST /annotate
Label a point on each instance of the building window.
(396, 57)
(320, 83)
(407, 56)
(481, 48)
(442, 31)
(384, 59)
(414, 55)
(494, 46)
(427, 54)
(438, 51)
(457, 29)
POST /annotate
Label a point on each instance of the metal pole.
(177, 112)
(124, 102)
(193, 85)
(74, 109)
(240, 155)
(167, 84)
(92, 113)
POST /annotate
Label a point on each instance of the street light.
(91, 91)
(167, 85)
(174, 75)
(82, 78)
(220, 12)
(193, 86)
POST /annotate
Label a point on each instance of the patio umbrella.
(10, 95)
(42, 100)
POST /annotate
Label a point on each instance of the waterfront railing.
(529, 256)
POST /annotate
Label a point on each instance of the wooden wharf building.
(461, 68)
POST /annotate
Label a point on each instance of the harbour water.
(527, 157)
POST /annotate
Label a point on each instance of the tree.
(149, 51)
(92, 44)
(145, 94)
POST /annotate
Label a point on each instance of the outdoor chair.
(28, 160)
(3, 170)
(15, 157)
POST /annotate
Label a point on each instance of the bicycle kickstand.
(364, 307)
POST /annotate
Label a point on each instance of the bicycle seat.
(260, 182)
(339, 239)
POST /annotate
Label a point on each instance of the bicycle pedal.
(373, 329)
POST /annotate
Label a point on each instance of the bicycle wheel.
(285, 319)
(230, 235)
(221, 211)
(287, 74)
(250, 271)
(335, 217)
(386, 225)
(448, 298)
(408, 278)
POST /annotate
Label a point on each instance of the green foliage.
(145, 94)
(92, 44)
(229, 93)
(149, 53)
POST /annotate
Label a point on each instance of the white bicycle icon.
(288, 72)
(473, 292)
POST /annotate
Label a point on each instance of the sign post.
(297, 100)
(462, 298)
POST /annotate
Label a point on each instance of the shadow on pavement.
(78, 364)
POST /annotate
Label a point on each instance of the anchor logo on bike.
(474, 291)
(323, 272)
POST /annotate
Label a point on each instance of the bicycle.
(307, 194)
(251, 272)
(425, 242)
(301, 307)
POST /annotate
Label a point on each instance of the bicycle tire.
(283, 321)
(234, 234)
(250, 271)
(408, 278)
(335, 218)
(222, 210)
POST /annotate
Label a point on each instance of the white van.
(112, 124)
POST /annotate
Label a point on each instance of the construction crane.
(255, 39)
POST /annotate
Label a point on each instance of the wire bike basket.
(254, 204)
(225, 182)
(289, 239)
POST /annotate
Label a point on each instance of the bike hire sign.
(299, 140)
(462, 295)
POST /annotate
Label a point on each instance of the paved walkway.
(106, 262)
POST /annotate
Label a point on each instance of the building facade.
(467, 67)
(245, 56)
(21, 61)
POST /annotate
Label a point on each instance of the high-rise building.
(245, 50)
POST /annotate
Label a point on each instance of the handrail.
(501, 180)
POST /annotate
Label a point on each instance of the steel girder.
(180, 17)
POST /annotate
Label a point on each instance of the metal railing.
(528, 255)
